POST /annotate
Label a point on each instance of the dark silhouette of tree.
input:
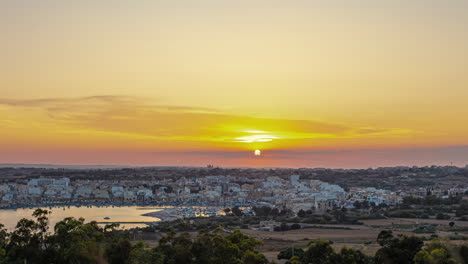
(76, 242)
(436, 253)
(401, 249)
(236, 211)
(301, 213)
(274, 212)
(319, 252)
(462, 209)
(295, 226)
(291, 252)
(464, 253)
(350, 255)
(357, 205)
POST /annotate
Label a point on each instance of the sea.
(127, 216)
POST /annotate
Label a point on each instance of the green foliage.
(291, 252)
(430, 200)
(321, 252)
(262, 211)
(301, 213)
(76, 242)
(434, 253)
(464, 253)
(352, 256)
(236, 211)
(265, 211)
(397, 250)
(441, 216)
(140, 254)
(462, 209)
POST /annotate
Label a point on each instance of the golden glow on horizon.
(232, 76)
(257, 152)
(100, 122)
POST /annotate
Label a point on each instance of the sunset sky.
(322, 83)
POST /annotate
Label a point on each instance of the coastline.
(165, 214)
(180, 212)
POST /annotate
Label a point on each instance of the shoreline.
(181, 212)
(163, 213)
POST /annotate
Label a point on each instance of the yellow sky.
(230, 76)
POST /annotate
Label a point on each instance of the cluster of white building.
(295, 193)
(300, 194)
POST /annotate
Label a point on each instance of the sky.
(325, 83)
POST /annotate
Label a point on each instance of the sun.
(257, 152)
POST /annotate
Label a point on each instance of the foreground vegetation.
(74, 241)
(394, 250)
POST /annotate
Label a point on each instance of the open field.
(362, 237)
(336, 235)
(411, 221)
(274, 242)
(354, 236)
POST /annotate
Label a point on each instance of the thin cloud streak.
(139, 117)
(123, 130)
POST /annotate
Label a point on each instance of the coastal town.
(280, 207)
(301, 189)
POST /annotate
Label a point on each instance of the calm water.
(9, 218)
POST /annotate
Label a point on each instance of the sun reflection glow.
(255, 138)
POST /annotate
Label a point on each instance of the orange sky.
(310, 83)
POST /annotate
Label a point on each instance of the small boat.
(106, 218)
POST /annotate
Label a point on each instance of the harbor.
(127, 216)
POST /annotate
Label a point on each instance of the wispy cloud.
(141, 117)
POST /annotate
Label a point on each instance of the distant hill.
(54, 166)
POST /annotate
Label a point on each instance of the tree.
(274, 212)
(76, 242)
(295, 226)
(462, 209)
(290, 252)
(319, 252)
(385, 237)
(401, 249)
(411, 200)
(118, 250)
(236, 211)
(24, 242)
(350, 255)
(434, 253)
(301, 213)
(140, 254)
(3, 242)
(174, 249)
(357, 204)
(251, 257)
(294, 260)
(464, 253)
(262, 211)
(286, 212)
(340, 215)
(441, 216)
(365, 204)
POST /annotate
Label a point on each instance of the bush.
(74, 241)
(441, 216)
(295, 226)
